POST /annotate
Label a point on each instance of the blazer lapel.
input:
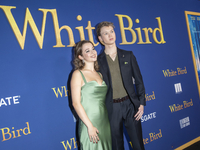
(121, 58)
(105, 68)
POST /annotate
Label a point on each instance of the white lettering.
(148, 117)
(2, 102)
(15, 99)
(184, 122)
(10, 100)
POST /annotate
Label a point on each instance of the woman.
(88, 98)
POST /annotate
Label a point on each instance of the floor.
(195, 146)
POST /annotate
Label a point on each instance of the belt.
(118, 100)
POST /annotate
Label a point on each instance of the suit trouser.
(123, 112)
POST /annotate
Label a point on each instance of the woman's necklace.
(88, 70)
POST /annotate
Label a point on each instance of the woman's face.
(89, 54)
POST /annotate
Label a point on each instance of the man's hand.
(140, 112)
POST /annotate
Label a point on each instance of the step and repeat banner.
(36, 53)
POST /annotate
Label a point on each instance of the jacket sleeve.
(140, 89)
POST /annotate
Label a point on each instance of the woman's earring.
(83, 61)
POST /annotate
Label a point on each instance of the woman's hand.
(93, 134)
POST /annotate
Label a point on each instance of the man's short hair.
(103, 24)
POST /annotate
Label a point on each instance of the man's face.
(107, 36)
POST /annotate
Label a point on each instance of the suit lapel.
(103, 61)
(121, 58)
(105, 68)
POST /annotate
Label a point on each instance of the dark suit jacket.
(129, 70)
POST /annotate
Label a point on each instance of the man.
(124, 103)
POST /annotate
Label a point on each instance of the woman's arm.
(76, 83)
